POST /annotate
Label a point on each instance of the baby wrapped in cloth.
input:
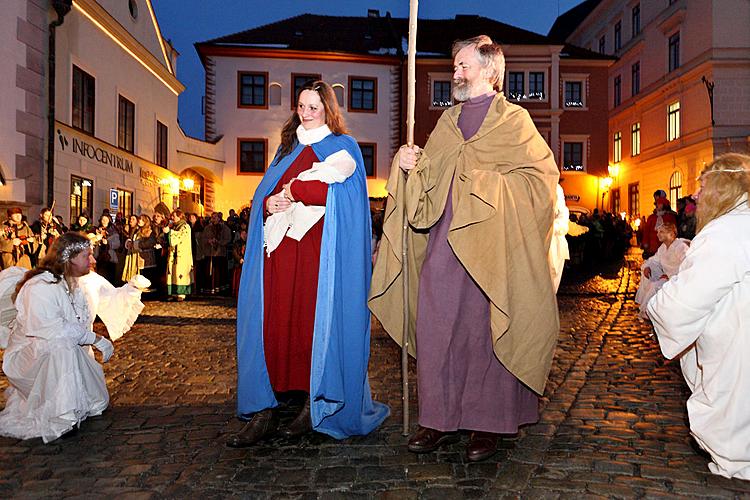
(297, 220)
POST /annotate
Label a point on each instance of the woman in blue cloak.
(302, 317)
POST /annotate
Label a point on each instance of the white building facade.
(117, 142)
(250, 95)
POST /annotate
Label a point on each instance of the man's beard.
(461, 89)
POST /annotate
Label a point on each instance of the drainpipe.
(62, 7)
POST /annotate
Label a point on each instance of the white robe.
(55, 383)
(558, 247)
(704, 313)
(667, 261)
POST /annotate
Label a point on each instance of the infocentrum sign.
(93, 152)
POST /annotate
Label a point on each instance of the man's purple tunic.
(462, 385)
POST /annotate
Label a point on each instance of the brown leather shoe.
(425, 440)
(263, 424)
(481, 446)
(302, 423)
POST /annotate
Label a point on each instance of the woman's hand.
(277, 203)
(407, 157)
(287, 190)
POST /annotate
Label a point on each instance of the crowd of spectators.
(128, 244)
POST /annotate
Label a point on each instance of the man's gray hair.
(490, 56)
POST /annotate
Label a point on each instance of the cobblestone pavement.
(613, 422)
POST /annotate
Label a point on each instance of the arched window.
(338, 89)
(675, 188)
(274, 94)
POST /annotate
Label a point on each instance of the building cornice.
(100, 18)
(267, 53)
(602, 63)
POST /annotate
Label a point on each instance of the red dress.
(290, 285)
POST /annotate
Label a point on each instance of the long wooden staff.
(410, 99)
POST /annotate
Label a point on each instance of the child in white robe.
(661, 266)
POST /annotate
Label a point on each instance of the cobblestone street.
(613, 422)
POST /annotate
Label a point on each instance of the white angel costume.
(703, 314)
(667, 261)
(56, 383)
(558, 248)
(297, 220)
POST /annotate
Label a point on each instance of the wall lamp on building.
(171, 185)
(613, 170)
(604, 184)
(188, 184)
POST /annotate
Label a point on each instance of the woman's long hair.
(53, 261)
(334, 118)
(146, 230)
(723, 183)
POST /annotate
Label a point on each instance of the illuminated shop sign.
(97, 153)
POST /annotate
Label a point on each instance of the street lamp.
(604, 184)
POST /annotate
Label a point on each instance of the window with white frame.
(635, 20)
(635, 78)
(440, 90)
(618, 35)
(675, 187)
(617, 91)
(574, 91)
(673, 121)
(617, 148)
(635, 139)
(526, 85)
(674, 51)
(574, 156)
(536, 85)
(516, 89)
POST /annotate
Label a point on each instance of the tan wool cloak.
(503, 208)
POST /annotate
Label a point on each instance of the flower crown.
(74, 249)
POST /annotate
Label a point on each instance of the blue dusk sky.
(186, 22)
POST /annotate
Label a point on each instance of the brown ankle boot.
(302, 424)
(263, 424)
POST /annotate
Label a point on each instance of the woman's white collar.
(312, 136)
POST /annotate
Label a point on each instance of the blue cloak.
(340, 399)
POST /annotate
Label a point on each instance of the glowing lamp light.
(605, 183)
(614, 170)
(171, 184)
(188, 184)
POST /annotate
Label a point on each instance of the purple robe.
(462, 385)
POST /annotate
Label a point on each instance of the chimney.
(373, 13)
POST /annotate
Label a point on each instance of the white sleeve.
(118, 308)
(335, 168)
(683, 306)
(562, 213)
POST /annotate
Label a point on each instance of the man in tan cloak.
(479, 199)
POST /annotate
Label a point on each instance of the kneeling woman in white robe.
(703, 316)
(55, 381)
(661, 266)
